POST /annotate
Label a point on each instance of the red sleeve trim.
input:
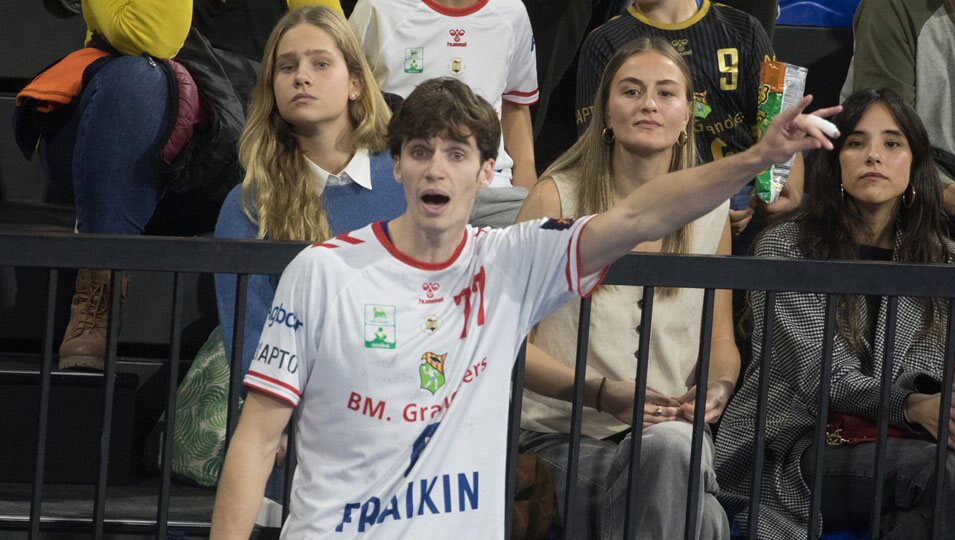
(518, 93)
(270, 393)
(523, 103)
(578, 289)
(570, 280)
(276, 382)
(600, 280)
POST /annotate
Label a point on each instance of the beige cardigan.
(615, 316)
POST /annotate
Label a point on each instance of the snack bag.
(781, 85)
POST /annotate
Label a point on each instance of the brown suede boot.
(84, 344)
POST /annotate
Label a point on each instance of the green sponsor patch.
(380, 327)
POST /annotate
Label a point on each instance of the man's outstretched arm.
(248, 463)
(672, 200)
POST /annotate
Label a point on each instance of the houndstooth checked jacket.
(793, 395)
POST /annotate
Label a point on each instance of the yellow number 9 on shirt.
(728, 61)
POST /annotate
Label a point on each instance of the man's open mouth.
(435, 199)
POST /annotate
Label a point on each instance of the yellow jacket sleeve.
(331, 4)
(154, 27)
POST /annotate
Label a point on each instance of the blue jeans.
(105, 157)
(908, 495)
(602, 483)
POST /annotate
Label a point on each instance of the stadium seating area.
(811, 34)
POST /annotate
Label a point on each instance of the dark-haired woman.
(876, 197)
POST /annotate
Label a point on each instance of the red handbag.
(849, 430)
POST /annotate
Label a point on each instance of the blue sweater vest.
(351, 206)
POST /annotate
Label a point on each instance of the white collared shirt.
(358, 171)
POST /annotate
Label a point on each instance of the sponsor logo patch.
(380, 326)
(457, 38)
(430, 289)
(701, 108)
(682, 46)
(431, 371)
(414, 60)
(456, 66)
(279, 315)
(430, 324)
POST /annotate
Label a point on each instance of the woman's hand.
(659, 408)
(718, 394)
(617, 399)
(922, 409)
(739, 219)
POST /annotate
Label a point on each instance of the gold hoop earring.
(607, 135)
(911, 201)
(682, 138)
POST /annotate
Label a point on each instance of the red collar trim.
(396, 253)
(455, 12)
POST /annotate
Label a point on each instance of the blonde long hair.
(589, 160)
(278, 190)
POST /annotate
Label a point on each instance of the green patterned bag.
(198, 443)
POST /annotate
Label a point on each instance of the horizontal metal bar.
(797, 275)
(163, 254)
(150, 253)
(111, 525)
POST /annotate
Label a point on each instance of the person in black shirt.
(724, 48)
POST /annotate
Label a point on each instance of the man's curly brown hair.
(447, 108)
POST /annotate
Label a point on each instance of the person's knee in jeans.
(664, 478)
(123, 114)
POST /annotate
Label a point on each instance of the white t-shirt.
(488, 45)
(400, 373)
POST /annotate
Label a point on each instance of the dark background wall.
(30, 40)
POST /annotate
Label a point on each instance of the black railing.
(244, 258)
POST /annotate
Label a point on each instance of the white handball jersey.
(400, 373)
(488, 45)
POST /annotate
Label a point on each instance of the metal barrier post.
(513, 434)
(46, 368)
(639, 399)
(883, 421)
(291, 460)
(235, 370)
(699, 416)
(944, 413)
(765, 365)
(109, 383)
(815, 512)
(162, 513)
(576, 415)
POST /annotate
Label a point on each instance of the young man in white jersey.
(399, 359)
